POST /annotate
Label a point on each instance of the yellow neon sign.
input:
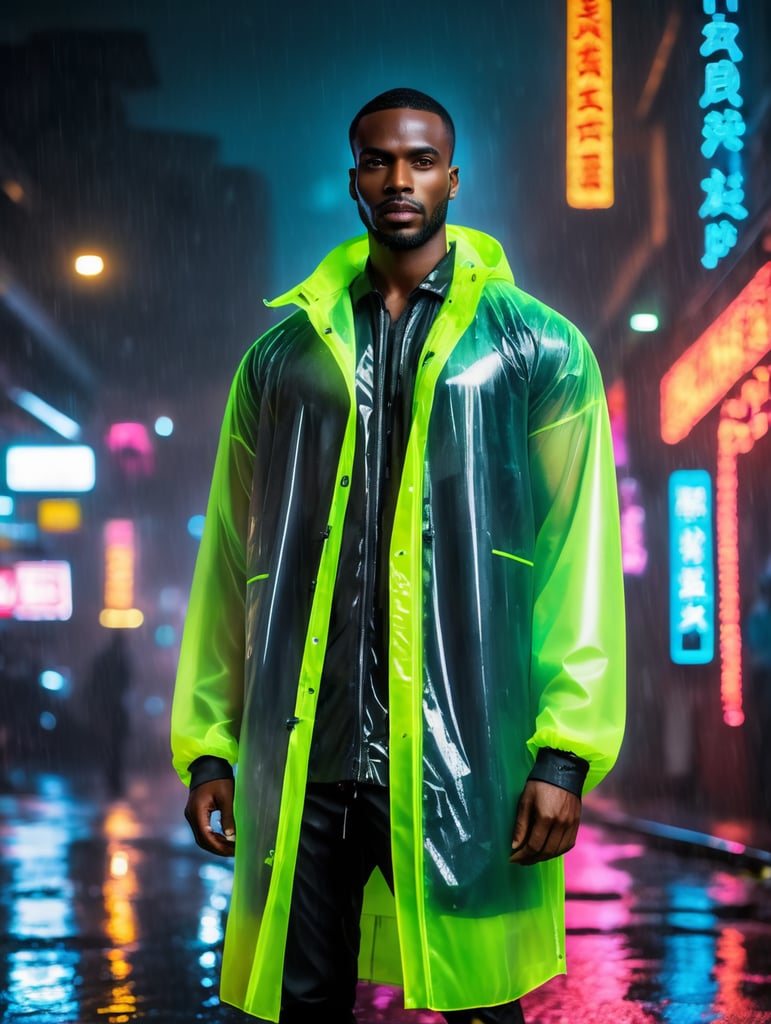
(59, 515)
(589, 152)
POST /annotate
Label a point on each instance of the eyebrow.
(417, 151)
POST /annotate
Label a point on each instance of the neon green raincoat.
(506, 619)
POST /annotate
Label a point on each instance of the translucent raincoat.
(506, 619)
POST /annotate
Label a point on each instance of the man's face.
(402, 181)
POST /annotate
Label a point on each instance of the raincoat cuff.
(560, 768)
(207, 768)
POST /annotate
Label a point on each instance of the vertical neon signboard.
(722, 129)
(691, 576)
(589, 78)
(119, 570)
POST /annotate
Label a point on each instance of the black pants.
(345, 835)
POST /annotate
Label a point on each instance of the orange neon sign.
(589, 151)
(119, 574)
(729, 348)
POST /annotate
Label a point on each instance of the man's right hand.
(201, 804)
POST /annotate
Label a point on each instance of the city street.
(110, 914)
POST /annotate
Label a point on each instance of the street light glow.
(644, 322)
(89, 265)
(164, 426)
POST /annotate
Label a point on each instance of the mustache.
(411, 204)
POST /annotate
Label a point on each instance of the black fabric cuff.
(560, 768)
(207, 768)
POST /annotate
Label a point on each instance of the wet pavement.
(110, 913)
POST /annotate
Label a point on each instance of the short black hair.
(404, 99)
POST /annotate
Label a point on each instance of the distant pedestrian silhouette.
(108, 685)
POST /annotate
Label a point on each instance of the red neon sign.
(725, 352)
(743, 421)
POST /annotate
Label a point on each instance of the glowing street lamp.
(89, 265)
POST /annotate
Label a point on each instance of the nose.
(400, 177)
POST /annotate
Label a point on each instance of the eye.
(371, 162)
(424, 161)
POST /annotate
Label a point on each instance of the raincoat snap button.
(327, 330)
(291, 723)
(325, 532)
(345, 481)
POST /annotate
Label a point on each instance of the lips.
(399, 211)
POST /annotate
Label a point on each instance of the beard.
(401, 241)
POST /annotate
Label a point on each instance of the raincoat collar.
(475, 251)
(436, 281)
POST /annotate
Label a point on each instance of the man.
(406, 622)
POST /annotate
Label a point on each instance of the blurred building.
(157, 333)
(693, 400)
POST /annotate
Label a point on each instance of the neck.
(397, 273)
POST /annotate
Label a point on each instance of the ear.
(454, 182)
(352, 183)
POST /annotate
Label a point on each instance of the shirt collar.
(436, 281)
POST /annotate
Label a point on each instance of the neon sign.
(36, 591)
(634, 554)
(722, 130)
(692, 589)
(743, 421)
(589, 153)
(50, 469)
(119, 570)
(729, 348)
(59, 515)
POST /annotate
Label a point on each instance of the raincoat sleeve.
(208, 694)
(578, 670)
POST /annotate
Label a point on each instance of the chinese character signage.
(589, 154)
(691, 576)
(722, 131)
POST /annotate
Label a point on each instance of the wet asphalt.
(109, 914)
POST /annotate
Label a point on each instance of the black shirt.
(350, 738)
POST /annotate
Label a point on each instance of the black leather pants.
(345, 835)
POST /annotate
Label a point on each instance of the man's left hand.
(547, 823)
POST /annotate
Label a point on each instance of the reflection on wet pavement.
(109, 913)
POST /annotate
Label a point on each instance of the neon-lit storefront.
(724, 366)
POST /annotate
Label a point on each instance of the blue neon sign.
(691, 574)
(723, 128)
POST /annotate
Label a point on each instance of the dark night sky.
(277, 83)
